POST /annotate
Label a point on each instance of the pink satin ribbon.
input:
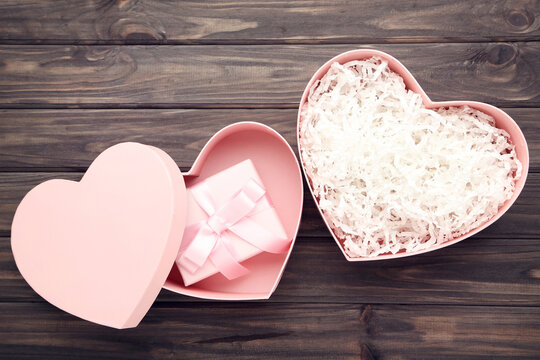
(209, 240)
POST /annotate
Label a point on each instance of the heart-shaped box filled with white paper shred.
(395, 174)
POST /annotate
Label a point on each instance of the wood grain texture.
(277, 331)
(248, 22)
(79, 76)
(504, 74)
(520, 221)
(477, 271)
(69, 139)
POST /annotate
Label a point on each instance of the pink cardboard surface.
(502, 120)
(280, 173)
(101, 248)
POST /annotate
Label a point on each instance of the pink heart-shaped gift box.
(103, 248)
(502, 120)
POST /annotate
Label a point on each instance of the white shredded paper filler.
(390, 175)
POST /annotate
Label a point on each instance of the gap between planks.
(262, 42)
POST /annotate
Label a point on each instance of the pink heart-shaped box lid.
(502, 120)
(280, 173)
(102, 248)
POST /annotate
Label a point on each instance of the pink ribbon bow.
(210, 239)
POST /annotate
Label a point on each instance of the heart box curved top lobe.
(102, 248)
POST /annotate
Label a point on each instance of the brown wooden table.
(79, 76)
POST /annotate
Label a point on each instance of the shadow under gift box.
(102, 248)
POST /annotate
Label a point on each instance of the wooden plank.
(277, 331)
(476, 271)
(226, 76)
(520, 221)
(69, 139)
(212, 22)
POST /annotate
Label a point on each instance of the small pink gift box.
(230, 219)
(103, 248)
